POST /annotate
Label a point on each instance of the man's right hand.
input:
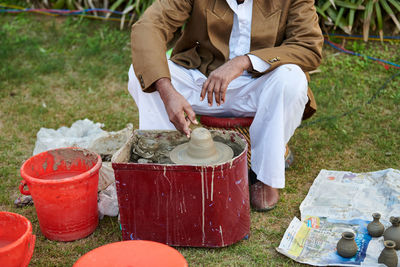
(176, 106)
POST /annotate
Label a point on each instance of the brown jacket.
(282, 32)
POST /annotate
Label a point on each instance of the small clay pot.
(375, 228)
(347, 247)
(388, 255)
(393, 232)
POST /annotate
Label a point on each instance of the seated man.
(235, 58)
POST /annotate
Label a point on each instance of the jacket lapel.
(219, 26)
(264, 23)
(263, 8)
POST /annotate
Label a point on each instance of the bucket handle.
(22, 190)
(30, 252)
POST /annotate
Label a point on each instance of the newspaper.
(337, 202)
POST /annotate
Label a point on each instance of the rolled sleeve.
(258, 64)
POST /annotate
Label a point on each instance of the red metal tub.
(182, 205)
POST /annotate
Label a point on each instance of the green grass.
(55, 71)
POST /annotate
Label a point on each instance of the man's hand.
(219, 79)
(176, 106)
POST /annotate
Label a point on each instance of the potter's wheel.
(201, 150)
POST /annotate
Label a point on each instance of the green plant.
(347, 15)
(130, 9)
(371, 13)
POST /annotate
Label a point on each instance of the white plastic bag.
(108, 202)
(81, 134)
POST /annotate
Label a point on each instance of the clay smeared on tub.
(72, 155)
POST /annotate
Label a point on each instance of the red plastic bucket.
(16, 240)
(133, 253)
(63, 184)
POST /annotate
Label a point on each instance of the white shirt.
(239, 44)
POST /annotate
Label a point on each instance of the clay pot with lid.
(375, 228)
(388, 255)
(393, 232)
(347, 247)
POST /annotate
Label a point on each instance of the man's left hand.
(219, 79)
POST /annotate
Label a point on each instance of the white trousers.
(276, 101)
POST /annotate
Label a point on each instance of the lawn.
(54, 71)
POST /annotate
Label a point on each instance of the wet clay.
(201, 150)
(72, 155)
(155, 146)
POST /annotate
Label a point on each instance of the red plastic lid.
(225, 122)
(134, 253)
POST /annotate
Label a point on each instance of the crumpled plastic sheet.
(108, 202)
(81, 134)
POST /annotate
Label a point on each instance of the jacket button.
(141, 80)
(273, 60)
(197, 43)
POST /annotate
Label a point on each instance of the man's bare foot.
(263, 197)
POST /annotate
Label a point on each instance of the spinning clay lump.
(201, 150)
